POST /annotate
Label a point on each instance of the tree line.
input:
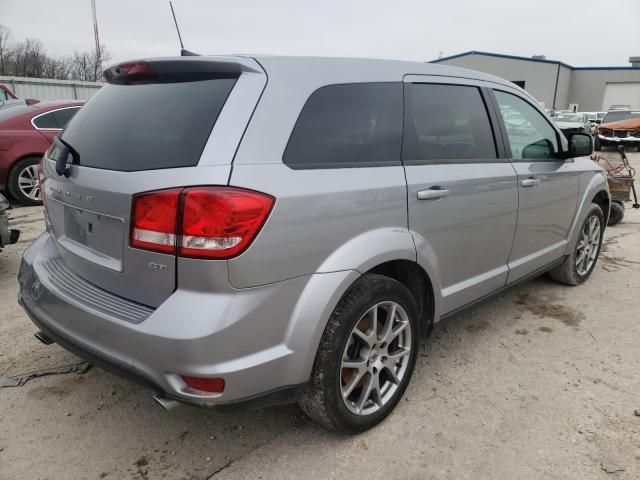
(29, 58)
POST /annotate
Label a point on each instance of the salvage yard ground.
(542, 381)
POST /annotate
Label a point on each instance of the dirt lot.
(540, 382)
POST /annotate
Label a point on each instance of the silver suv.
(264, 230)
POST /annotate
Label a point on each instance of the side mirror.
(580, 145)
(541, 149)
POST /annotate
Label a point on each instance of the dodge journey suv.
(263, 230)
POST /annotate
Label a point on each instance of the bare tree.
(5, 38)
(29, 59)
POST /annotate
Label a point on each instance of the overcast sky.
(587, 33)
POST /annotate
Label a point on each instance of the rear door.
(462, 193)
(547, 186)
(177, 126)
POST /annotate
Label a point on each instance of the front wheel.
(366, 356)
(579, 265)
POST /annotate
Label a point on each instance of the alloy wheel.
(376, 358)
(29, 183)
(588, 245)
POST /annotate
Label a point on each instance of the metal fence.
(48, 89)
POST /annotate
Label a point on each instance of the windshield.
(569, 117)
(146, 127)
(617, 116)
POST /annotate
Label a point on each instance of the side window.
(47, 120)
(530, 134)
(348, 125)
(63, 116)
(447, 124)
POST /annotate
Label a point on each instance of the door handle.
(432, 193)
(530, 182)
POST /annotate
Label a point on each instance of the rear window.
(56, 119)
(348, 125)
(145, 127)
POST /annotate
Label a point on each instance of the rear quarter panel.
(21, 144)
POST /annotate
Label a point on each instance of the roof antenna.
(183, 51)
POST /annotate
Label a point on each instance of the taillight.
(154, 220)
(220, 222)
(215, 222)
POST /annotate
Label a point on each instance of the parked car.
(595, 118)
(7, 235)
(619, 127)
(7, 98)
(26, 132)
(573, 122)
(228, 240)
(6, 94)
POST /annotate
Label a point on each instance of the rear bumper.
(253, 338)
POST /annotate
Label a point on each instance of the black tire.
(567, 273)
(14, 175)
(617, 213)
(322, 399)
(597, 144)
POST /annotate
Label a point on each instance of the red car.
(26, 131)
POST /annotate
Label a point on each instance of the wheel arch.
(603, 200)
(596, 190)
(415, 278)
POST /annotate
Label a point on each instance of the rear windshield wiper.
(60, 153)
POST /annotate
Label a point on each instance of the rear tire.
(579, 265)
(617, 213)
(23, 181)
(354, 399)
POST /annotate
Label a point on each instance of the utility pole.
(96, 37)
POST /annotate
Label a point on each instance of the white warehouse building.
(557, 85)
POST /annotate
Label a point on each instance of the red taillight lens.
(221, 222)
(154, 221)
(216, 222)
(211, 385)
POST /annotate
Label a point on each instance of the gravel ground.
(539, 382)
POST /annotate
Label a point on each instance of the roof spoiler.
(187, 68)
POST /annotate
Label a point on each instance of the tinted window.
(63, 116)
(348, 125)
(145, 127)
(46, 120)
(445, 123)
(530, 134)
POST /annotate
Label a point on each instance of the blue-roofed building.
(558, 85)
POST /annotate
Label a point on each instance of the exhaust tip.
(44, 338)
(165, 403)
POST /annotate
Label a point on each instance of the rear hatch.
(158, 124)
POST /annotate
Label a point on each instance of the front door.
(547, 186)
(462, 195)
